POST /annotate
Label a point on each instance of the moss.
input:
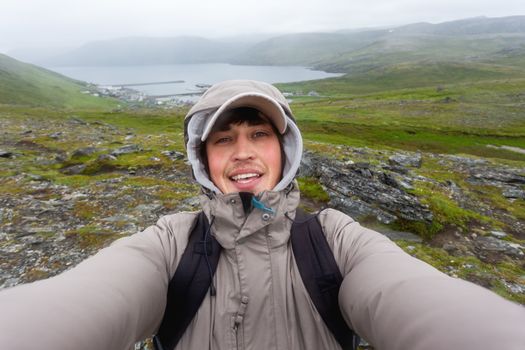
(172, 196)
(445, 210)
(311, 188)
(35, 274)
(92, 237)
(500, 289)
(144, 181)
(11, 187)
(99, 166)
(422, 229)
(470, 268)
(86, 210)
(495, 198)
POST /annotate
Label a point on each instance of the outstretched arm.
(398, 302)
(109, 301)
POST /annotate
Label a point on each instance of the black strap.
(192, 279)
(320, 275)
(189, 284)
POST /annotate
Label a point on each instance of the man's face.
(244, 158)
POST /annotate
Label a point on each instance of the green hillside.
(29, 85)
(400, 48)
(478, 40)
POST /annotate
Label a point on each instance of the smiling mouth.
(245, 178)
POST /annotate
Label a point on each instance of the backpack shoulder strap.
(189, 284)
(320, 275)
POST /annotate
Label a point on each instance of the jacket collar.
(231, 225)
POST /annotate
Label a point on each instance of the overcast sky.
(41, 23)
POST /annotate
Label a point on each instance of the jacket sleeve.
(109, 301)
(397, 302)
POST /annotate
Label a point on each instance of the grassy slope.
(25, 84)
(397, 49)
(442, 107)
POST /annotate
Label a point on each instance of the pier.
(151, 83)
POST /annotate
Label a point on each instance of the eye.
(260, 133)
(222, 140)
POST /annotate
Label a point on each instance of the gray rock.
(361, 190)
(496, 177)
(76, 120)
(35, 177)
(82, 152)
(514, 192)
(498, 234)
(449, 247)
(148, 208)
(492, 244)
(515, 287)
(406, 160)
(466, 160)
(6, 154)
(191, 202)
(73, 169)
(175, 155)
(119, 218)
(106, 157)
(126, 150)
(60, 158)
(56, 135)
(10, 282)
(405, 185)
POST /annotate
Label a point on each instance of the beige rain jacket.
(118, 296)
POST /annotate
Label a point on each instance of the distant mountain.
(478, 40)
(142, 51)
(26, 84)
(469, 26)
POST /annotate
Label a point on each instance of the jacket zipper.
(237, 323)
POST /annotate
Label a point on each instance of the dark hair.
(238, 116)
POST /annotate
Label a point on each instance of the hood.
(242, 93)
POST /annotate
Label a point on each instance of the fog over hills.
(478, 39)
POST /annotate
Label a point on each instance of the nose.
(244, 149)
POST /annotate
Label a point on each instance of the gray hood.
(242, 93)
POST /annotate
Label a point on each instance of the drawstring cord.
(204, 242)
(307, 219)
(260, 205)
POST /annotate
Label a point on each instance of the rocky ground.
(69, 186)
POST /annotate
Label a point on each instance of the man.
(245, 149)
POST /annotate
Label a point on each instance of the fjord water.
(191, 74)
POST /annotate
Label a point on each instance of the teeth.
(244, 176)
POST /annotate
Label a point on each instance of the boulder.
(106, 157)
(362, 189)
(175, 155)
(82, 152)
(127, 149)
(73, 169)
(405, 160)
(6, 154)
(514, 192)
(494, 245)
